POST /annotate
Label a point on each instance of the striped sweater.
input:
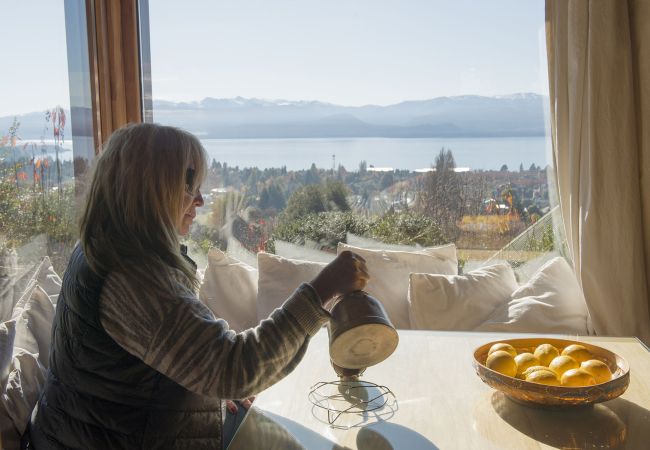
(181, 338)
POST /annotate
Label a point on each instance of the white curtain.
(599, 74)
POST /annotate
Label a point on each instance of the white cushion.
(34, 314)
(278, 278)
(551, 302)
(8, 278)
(7, 336)
(302, 252)
(389, 274)
(24, 385)
(229, 289)
(459, 302)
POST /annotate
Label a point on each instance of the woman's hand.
(347, 273)
(245, 403)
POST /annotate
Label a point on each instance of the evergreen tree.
(336, 195)
(305, 200)
(312, 176)
(363, 167)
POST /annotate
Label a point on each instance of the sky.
(338, 51)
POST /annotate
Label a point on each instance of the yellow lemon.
(502, 362)
(547, 377)
(545, 353)
(598, 369)
(524, 361)
(561, 364)
(577, 377)
(503, 347)
(577, 352)
(532, 369)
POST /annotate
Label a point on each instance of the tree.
(521, 167)
(305, 200)
(440, 194)
(387, 180)
(312, 176)
(363, 167)
(336, 195)
(271, 197)
(504, 168)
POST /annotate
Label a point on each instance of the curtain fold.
(599, 76)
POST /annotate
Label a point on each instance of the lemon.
(545, 353)
(504, 347)
(547, 377)
(502, 362)
(577, 377)
(524, 361)
(532, 369)
(561, 364)
(598, 369)
(577, 352)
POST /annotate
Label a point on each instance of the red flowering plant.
(32, 201)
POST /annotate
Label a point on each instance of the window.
(417, 123)
(46, 142)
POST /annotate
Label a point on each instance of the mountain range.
(460, 116)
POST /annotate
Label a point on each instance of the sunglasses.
(189, 181)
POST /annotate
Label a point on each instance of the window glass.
(45, 137)
(404, 123)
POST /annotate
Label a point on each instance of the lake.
(409, 154)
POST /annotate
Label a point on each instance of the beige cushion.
(24, 385)
(8, 278)
(389, 274)
(7, 337)
(551, 302)
(459, 302)
(229, 289)
(34, 314)
(278, 278)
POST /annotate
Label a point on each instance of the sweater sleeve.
(181, 338)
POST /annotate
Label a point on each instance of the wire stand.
(352, 397)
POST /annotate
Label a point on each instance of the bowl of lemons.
(552, 372)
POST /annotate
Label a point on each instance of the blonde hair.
(135, 201)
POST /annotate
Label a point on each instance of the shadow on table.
(263, 429)
(390, 436)
(618, 423)
(352, 404)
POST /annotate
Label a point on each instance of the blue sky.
(347, 52)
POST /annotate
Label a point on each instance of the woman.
(137, 361)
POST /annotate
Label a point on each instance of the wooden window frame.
(115, 65)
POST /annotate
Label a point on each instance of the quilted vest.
(99, 396)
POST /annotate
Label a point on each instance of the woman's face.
(191, 201)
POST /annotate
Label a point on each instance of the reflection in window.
(380, 123)
(45, 140)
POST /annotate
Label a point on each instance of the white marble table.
(444, 406)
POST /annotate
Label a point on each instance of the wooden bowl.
(554, 396)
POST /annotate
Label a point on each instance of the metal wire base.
(352, 397)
